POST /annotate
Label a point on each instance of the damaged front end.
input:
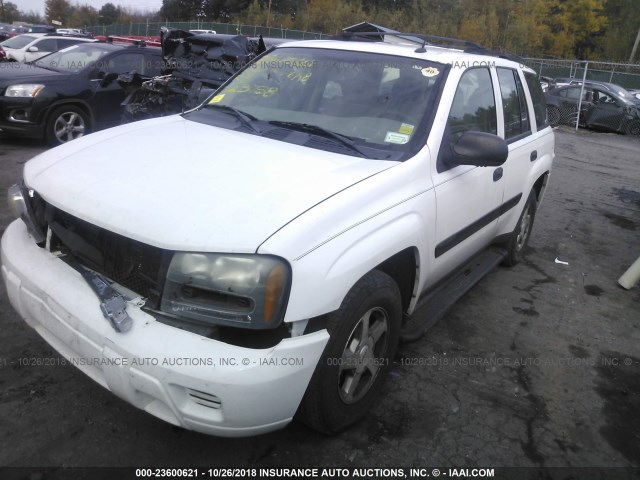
(194, 67)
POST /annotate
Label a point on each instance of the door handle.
(497, 174)
(533, 155)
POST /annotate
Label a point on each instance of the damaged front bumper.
(185, 379)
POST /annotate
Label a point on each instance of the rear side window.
(514, 105)
(125, 63)
(66, 42)
(47, 45)
(537, 96)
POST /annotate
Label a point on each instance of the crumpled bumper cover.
(183, 378)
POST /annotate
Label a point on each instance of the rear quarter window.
(537, 96)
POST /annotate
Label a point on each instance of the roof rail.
(372, 32)
(138, 42)
(419, 38)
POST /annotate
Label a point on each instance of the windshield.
(379, 105)
(72, 59)
(18, 41)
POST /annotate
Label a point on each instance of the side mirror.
(32, 49)
(480, 149)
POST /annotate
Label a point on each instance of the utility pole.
(633, 52)
(269, 14)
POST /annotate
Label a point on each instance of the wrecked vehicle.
(195, 65)
(72, 92)
(259, 257)
(603, 106)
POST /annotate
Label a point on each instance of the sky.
(38, 5)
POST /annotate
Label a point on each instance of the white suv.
(29, 47)
(261, 256)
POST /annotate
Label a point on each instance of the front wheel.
(364, 335)
(65, 124)
(522, 232)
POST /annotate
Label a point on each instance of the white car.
(197, 32)
(69, 31)
(260, 257)
(29, 47)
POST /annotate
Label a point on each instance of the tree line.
(581, 29)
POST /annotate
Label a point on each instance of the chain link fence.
(591, 94)
(152, 29)
(594, 105)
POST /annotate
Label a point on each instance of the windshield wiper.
(323, 132)
(245, 119)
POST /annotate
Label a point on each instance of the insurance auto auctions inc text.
(372, 473)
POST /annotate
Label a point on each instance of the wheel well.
(540, 184)
(79, 105)
(402, 267)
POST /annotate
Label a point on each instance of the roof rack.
(419, 38)
(372, 32)
(138, 42)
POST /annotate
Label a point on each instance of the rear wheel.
(65, 124)
(364, 336)
(522, 232)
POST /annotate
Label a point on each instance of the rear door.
(516, 119)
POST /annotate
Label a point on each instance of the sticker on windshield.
(430, 71)
(217, 99)
(406, 128)
(399, 138)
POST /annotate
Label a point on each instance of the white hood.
(182, 185)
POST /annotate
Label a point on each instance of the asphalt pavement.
(538, 366)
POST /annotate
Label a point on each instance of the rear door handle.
(497, 174)
(533, 155)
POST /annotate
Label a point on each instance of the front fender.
(336, 243)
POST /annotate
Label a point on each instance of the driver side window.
(125, 63)
(473, 109)
(474, 105)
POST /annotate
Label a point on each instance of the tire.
(364, 335)
(522, 232)
(65, 124)
(633, 128)
(553, 115)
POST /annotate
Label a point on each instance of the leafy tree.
(59, 10)
(32, 17)
(8, 12)
(108, 14)
(181, 10)
(577, 23)
(84, 15)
